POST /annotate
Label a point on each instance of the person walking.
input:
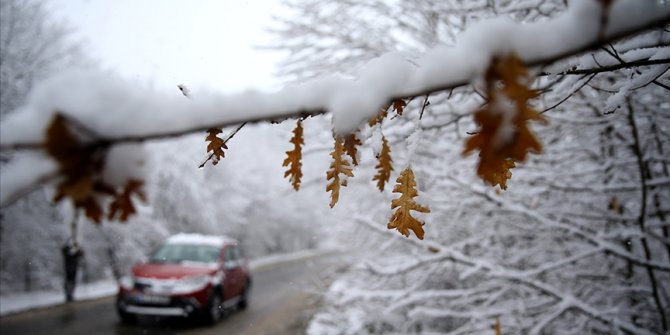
(72, 254)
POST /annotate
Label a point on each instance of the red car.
(191, 275)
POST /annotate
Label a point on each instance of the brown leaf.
(92, 209)
(339, 166)
(294, 157)
(615, 205)
(80, 171)
(384, 165)
(402, 219)
(78, 189)
(399, 106)
(351, 144)
(79, 167)
(504, 136)
(123, 202)
(383, 112)
(216, 145)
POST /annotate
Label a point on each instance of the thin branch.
(610, 68)
(424, 105)
(570, 95)
(637, 150)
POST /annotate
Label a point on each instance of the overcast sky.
(170, 42)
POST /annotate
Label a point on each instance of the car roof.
(199, 239)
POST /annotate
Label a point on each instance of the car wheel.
(244, 298)
(127, 318)
(213, 310)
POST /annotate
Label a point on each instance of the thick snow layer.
(113, 107)
(183, 238)
(26, 169)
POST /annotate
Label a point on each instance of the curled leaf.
(79, 167)
(399, 106)
(123, 203)
(402, 218)
(351, 144)
(80, 171)
(339, 166)
(216, 145)
(504, 136)
(294, 157)
(383, 112)
(384, 165)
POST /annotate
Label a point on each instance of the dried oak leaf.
(351, 144)
(123, 202)
(402, 219)
(79, 167)
(339, 166)
(504, 136)
(216, 145)
(377, 119)
(294, 157)
(384, 165)
(399, 106)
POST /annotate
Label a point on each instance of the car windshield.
(178, 253)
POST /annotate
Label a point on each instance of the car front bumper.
(133, 302)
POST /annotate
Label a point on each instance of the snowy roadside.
(15, 303)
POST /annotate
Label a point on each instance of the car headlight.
(127, 282)
(190, 284)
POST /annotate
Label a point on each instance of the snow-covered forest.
(241, 198)
(572, 239)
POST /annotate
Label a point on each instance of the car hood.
(174, 271)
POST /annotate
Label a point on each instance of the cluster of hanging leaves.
(502, 140)
(504, 137)
(80, 168)
(345, 157)
(215, 145)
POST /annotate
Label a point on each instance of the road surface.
(282, 300)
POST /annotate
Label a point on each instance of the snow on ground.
(15, 303)
(19, 302)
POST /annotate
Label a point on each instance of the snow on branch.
(565, 299)
(112, 110)
(107, 104)
(610, 247)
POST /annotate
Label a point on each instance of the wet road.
(282, 300)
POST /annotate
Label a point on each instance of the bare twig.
(569, 95)
(614, 67)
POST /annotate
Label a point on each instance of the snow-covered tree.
(569, 248)
(577, 242)
(32, 47)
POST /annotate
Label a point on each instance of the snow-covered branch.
(105, 104)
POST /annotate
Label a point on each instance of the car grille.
(142, 286)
